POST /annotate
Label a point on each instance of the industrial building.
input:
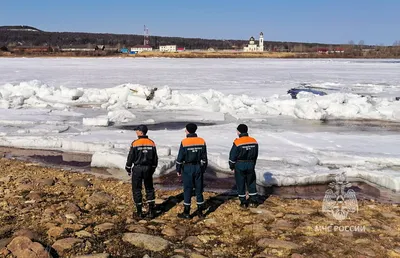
(168, 48)
(141, 48)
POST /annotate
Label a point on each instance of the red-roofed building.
(322, 50)
(180, 49)
(338, 50)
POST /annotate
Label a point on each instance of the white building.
(141, 48)
(253, 47)
(168, 48)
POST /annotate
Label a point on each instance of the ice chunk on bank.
(125, 96)
(114, 159)
(120, 116)
(96, 121)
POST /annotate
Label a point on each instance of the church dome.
(252, 39)
(261, 34)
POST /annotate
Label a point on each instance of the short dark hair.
(242, 128)
(142, 128)
(191, 127)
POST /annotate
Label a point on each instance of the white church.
(253, 47)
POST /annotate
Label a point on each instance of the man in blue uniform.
(191, 164)
(143, 157)
(242, 160)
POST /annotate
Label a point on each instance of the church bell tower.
(261, 42)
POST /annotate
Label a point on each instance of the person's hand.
(178, 173)
(128, 170)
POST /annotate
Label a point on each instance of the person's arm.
(155, 159)
(233, 156)
(204, 159)
(180, 159)
(255, 160)
(130, 159)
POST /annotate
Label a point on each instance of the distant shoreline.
(282, 55)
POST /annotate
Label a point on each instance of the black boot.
(139, 212)
(152, 212)
(243, 204)
(253, 203)
(186, 213)
(200, 210)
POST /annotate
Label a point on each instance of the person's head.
(191, 128)
(141, 130)
(242, 128)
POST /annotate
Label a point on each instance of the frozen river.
(89, 105)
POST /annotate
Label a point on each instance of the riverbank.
(187, 54)
(195, 54)
(215, 181)
(219, 55)
(70, 214)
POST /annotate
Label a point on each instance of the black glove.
(203, 166)
(129, 170)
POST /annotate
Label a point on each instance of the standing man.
(191, 164)
(143, 157)
(242, 160)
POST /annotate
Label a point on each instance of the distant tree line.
(39, 38)
(13, 36)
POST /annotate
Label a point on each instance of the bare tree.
(361, 43)
(298, 48)
(351, 42)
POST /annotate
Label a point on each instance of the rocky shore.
(47, 212)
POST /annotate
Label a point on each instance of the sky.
(323, 21)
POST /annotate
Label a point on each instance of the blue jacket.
(244, 149)
(193, 150)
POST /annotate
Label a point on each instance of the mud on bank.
(71, 214)
(214, 180)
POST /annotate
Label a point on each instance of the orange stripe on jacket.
(193, 141)
(245, 140)
(143, 142)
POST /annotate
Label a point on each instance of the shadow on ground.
(168, 204)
